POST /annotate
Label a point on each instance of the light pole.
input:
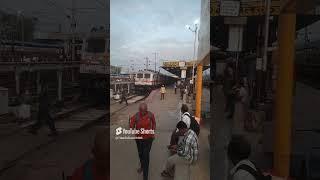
(155, 60)
(195, 30)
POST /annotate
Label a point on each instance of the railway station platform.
(124, 159)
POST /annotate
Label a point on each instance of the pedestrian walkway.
(124, 155)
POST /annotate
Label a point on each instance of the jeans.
(124, 99)
(144, 148)
(162, 96)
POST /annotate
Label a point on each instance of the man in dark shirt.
(144, 120)
(124, 97)
(44, 113)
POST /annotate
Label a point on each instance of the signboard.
(177, 64)
(235, 38)
(183, 73)
(189, 64)
(94, 69)
(229, 8)
(171, 64)
(247, 8)
(182, 64)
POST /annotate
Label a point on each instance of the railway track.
(122, 107)
(75, 121)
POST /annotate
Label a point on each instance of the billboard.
(247, 8)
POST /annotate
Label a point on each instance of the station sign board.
(182, 64)
(229, 8)
(189, 64)
(176, 64)
(171, 64)
(94, 69)
(183, 73)
(247, 8)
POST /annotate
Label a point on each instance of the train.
(147, 80)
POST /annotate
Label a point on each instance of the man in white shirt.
(185, 117)
(238, 152)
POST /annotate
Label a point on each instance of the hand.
(173, 147)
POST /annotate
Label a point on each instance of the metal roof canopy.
(219, 30)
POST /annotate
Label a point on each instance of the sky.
(51, 13)
(139, 28)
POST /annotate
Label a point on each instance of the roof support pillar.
(284, 93)
(199, 90)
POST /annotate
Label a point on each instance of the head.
(101, 150)
(184, 108)
(162, 85)
(143, 108)
(240, 83)
(182, 127)
(238, 149)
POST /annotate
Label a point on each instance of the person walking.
(162, 91)
(182, 90)
(175, 87)
(144, 120)
(241, 108)
(124, 97)
(187, 150)
(44, 113)
(228, 84)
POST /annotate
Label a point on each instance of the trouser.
(144, 147)
(124, 99)
(175, 90)
(181, 95)
(230, 105)
(174, 138)
(175, 160)
(162, 96)
(48, 120)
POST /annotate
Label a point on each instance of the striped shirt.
(188, 147)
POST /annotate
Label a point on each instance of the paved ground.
(124, 155)
(50, 162)
(21, 144)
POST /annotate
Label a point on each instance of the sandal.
(166, 174)
(139, 170)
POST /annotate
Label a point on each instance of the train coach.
(147, 80)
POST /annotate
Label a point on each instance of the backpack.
(257, 174)
(194, 125)
(137, 119)
(87, 171)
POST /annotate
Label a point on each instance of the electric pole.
(147, 63)
(73, 27)
(155, 61)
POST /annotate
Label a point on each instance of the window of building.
(147, 76)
